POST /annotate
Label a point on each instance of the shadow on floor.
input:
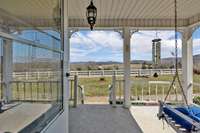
(101, 119)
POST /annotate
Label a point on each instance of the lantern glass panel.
(91, 14)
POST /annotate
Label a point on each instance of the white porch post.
(7, 69)
(66, 58)
(187, 63)
(126, 57)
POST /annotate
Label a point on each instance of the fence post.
(26, 75)
(114, 89)
(102, 72)
(48, 74)
(38, 75)
(161, 72)
(138, 72)
(75, 90)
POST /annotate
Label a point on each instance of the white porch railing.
(44, 91)
(32, 91)
(196, 89)
(77, 94)
(148, 91)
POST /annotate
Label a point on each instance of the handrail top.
(196, 84)
(34, 81)
(159, 82)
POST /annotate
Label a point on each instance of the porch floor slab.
(18, 117)
(146, 117)
(101, 119)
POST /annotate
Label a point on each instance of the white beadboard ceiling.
(135, 9)
(116, 13)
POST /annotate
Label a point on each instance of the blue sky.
(108, 45)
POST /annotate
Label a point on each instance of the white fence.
(134, 72)
(93, 73)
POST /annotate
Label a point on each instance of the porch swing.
(183, 118)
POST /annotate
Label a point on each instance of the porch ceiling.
(135, 13)
(111, 13)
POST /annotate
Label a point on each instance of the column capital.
(71, 32)
(119, 31)
(128, 29)
(187, 32)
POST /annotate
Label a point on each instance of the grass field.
(97, 87)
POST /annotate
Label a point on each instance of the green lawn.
(96, 87)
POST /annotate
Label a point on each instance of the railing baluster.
(156, 92)
(51, 88)
(1, 90)
(136, 97)
(142, 94)
(43, 90)
(114, 90)
(24, 90)
(18, 91)
(57, 89)
(149, 93)
(75, 90)
(31, 88)
(37, 90)
(163, 93)
(120, 91)
(71, 89)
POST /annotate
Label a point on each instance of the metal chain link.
(176, 59)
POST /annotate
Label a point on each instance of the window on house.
(30, 64)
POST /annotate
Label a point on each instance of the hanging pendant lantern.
(91, 15)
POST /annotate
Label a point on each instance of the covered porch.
(128, 18)
(149, 16)
(65, 17)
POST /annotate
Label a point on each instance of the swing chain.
(176, 60)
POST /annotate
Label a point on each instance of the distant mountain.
(169, 60)
(141, 62)
(97, 63)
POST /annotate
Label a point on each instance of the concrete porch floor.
(146, 117)
(101, 119)
(18, 117)
(106, 119)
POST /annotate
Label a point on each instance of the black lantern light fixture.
(91, 14)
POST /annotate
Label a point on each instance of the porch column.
(126, 58)
(66, 49)
(187, 63)
(7, 69)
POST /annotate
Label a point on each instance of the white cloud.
(108, 45)
(87, 43)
